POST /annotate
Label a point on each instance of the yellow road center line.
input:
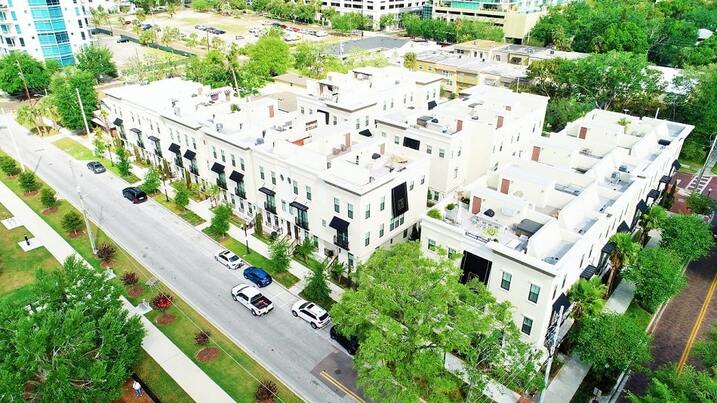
(698, 324)
(342, 387)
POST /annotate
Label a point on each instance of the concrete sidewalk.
(180, 367)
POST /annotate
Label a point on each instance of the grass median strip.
(234, 370)
(82, 153)
(186, 214)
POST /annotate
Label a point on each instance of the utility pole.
(82, 110)
(551, 354)
(24, 82)
(12, 139)
(236, 84)
(84, 211)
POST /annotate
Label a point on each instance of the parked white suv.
(229, 259)
(310, 312)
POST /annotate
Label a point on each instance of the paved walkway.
(180, 367)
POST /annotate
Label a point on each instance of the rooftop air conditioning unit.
(615, 176)
(219, 127)
(259, 141)
(624, 168)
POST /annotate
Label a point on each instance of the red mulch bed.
(135, 291)
(107, 264)
(165, 319)
(129, 396)
(207, 354)
(31, 194)
(50, 210)
(77, 234)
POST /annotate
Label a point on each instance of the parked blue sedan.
(258, 276)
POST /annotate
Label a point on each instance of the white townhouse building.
(358, 96)
(374, 9)
(349, 193)
(45, 29)
(536, 224)
(469, 135)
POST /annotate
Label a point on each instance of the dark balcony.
(178, 161)
(342, 241)
(222, 183)
(270, 207)
(240, 192)
(158, 152)
(301, 223)
(194, 170)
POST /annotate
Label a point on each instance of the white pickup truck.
(252, 299)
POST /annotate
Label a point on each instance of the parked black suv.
(350, 343)
(135, 195)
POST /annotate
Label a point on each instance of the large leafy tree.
(73, 342)
(220, 220)
(36, 74)
(657, 274)
(97, 60)
(409, 311)
(211, 69)
(64, 96)
(270, 55)
(688, 236)
(706, 349)
(612, 342)
(587, 297)
(689, 385)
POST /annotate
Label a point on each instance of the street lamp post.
(246, 238)
(82, 110)
(87, 222)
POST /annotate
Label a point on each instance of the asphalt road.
(182, 257)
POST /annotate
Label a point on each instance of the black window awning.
(365, 132)
(218, 168)
(665, 179)
(528, 227)
(135, 130)
(174, 148)
(267, 191)
(153, 138)
(298, 206)
(654, 193)
(411, 143)
(623, 227)
(664, 142)
(117, 122)
(608, 248)
(339, 224)
(326, 116)
(399, 199)
(236, 176)
(190, 155)
(562, 301)
(676, 164)
(431, 105)
(588, 272)
(642, 206)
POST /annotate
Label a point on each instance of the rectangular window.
(283, 206)
(410, 186)
(505, 281)
(224, 158)
(367, 239)
(308, 193)
(337, 205)
(368, 211)
(214, 152)
(396, 139)
(350, 210)
(234, 161)
(261, 172)
(241, 163)
(296, 187)
(358, 123)
(441, 153)
(431, 244)
(527, 326)
(273, 178)
(423, 179)
(382, 205)
(381, 231)
(429, 149)
(534, 292)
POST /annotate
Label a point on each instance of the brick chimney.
(459, 125)
(227, 95)
(382, 149)
(347, 140)
(271, 111)
(499, 123)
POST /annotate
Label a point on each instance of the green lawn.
(17, 268)
(256, 259)
(158, 381)
(640, 315)
(692, 167)
(234, 219)
(82, 153)
(186, 214)
(232, 377)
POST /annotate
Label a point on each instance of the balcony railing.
(270, 207)
(301, 223)
(178, 161)
(222, 183)
(158, 152)
(194, 170)
(240, 192)
(341, 242)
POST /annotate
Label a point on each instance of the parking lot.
(124, 53)
(237, 28)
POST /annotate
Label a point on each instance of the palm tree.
(587, 297)
(624, 254)
(213, 193)
(624, 122)
(26, 114)
(651, 219)
(47, 110)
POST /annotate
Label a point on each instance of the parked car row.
(211, 30)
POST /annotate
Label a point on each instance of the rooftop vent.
(489, 212)
(624, 168)
(375, 156)
(434, 120)
(259, 141)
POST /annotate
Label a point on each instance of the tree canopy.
(461, 30)
(409, 311)
(689, 385)
(36, 74)
(687, 236)
(75, 342)
(657, 274)
(62, 88)
(97, 60)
